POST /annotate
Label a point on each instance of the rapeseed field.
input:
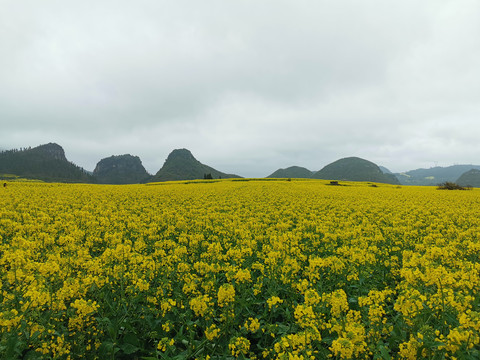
(239, 270)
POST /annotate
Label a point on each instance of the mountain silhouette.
(48, 163)
(354, 169)
(45, 162)
(435, 175)
(182, 165)
(470, 178)
(120, 169)
(292, 172)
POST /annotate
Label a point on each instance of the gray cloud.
(247, 86)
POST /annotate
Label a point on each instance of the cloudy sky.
(247, 86)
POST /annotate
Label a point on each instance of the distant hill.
(181, 165)
(469, 178)
(435, 175)
(120, 169)
(385, 170)
(292, 172)
(45, 162)
(355, 169)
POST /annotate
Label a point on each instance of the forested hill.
(470, 178)
(45, 162)
(292, 172)
(182, 165)
(120, 169)
(435, 175)
(355, 169)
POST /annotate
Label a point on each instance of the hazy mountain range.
(435, 175)
(49, 163)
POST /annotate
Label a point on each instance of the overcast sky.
(247, 86)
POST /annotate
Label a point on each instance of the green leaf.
(129, 348)
(384, 352)
(131, 338)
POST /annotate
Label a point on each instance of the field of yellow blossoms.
(239, 270)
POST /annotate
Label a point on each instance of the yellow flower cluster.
(226, 295)
(244, 268)
(212, 332)
(252, 324)
(200, 304)
(239, 346)
(164, 343)
(274, 300)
